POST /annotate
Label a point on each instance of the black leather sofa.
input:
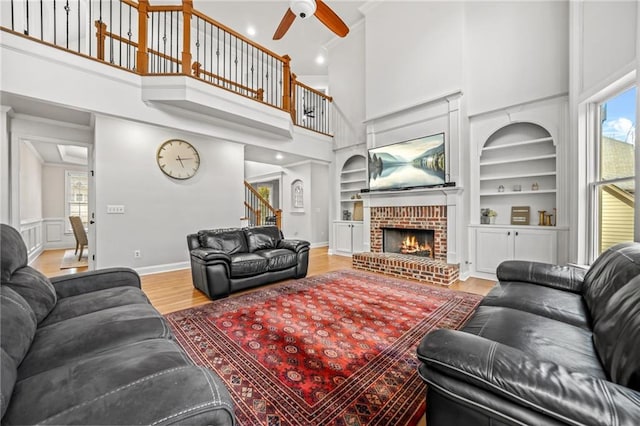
(224, 261)
(549, 345)
(89, 349)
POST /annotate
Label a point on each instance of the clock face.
(178, 159)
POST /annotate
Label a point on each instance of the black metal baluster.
(204, 61)
(26, 31)
(67, 9)
(110, 27)
(235, 61)
(78, 25)
(224, 57)
(217, 56)
(171, 39)
(129, 38)
(88, 30)
(55, 20)
(41, 21)
(13, 28)
(151, 63)
(120, 34)
(164, 41)
(210, 67)
(158, 47)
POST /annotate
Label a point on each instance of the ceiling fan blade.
(285, 23)
(330, 19)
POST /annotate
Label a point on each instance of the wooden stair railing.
(258, 211)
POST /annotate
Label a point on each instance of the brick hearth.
(435, 270)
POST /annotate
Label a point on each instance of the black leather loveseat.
(89, 349)
(549, 345)
(224, 261)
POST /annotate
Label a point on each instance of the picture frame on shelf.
(520, 215)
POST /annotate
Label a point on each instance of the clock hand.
(180, 160)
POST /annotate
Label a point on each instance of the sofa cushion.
(279, 259)
(247, 264)
(548, 302)
(17, 329)
(86, 303)
(108, 384)
(230, 241)
(262, 237)
(617, 336)
(544, 338)
(13, 252)
(67, 341)
(611, 270)
(35, 288)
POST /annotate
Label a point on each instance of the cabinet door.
(357, 242)
(535, 245)
(492, 247)
(343, 236)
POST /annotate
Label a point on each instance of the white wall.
(53, 189)
(5, 180)
(30, 184)
(159, 211)
(347, 78)
(515, 52)
(413, 52)
(320, 203)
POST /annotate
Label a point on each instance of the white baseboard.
(464, 276)
(156, 269)
(320, 244)
(35, 253)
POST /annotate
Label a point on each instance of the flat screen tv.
(409, 164)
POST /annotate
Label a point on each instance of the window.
(613, 178)
(77, 196)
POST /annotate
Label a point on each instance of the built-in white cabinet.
(495, 244)
(348, 237)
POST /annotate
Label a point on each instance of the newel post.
(279, 218)
(286, 83)
(187, 10)
(101, 35)
(293, 98)
(142, 59)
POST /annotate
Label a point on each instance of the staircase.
(258, 211)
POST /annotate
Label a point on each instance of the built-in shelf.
(516, 176)
(540, 191)
(346, 172)
(518, 144)
(518, 160)
(353, 178)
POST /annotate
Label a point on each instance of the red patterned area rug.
(333, 349)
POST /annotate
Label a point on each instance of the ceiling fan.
(306, 8)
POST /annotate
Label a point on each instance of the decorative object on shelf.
(541, 217)
(178, 159)
(517, 188)
(534, 186)
(547, 219)
(501, 188)
(346, 215)
(357, 210)
(520, 215)
(297, 194)
(488, 216)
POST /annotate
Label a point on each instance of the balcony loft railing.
(169, 40)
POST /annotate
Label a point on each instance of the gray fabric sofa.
(90, 349)
(549, 345)
(224, 261)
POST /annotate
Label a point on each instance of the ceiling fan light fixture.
(303, 8)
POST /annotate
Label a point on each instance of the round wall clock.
(178, 159)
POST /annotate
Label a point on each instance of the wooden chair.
(79, 233)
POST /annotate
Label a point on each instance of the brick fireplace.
(433, 269)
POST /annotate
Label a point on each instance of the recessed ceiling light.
(251, 30)
(320, 60)
(279, 156)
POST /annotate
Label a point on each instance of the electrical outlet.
(137, 253)
(115, 209)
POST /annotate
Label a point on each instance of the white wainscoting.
(31, 231)
(56, 235)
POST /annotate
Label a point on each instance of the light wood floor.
(172, 291)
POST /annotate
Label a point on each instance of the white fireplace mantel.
(443, 196)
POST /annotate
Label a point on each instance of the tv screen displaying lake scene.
(409, 164)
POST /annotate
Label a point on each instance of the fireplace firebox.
(415, 242)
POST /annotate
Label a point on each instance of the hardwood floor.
(173, 291)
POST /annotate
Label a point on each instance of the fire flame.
(410, 245)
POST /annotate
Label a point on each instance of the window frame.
(67, 196)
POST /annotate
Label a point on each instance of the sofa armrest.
(293, 245)
(85, 282)
(569, 278)
(534, 384)
(209, 255)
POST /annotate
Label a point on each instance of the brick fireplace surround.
(436, 270)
